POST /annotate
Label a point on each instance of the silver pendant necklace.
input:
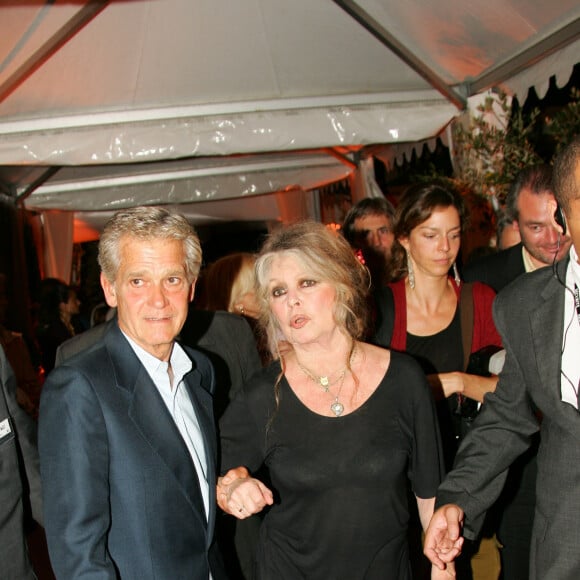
(337, 407)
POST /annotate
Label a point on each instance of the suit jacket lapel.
(547, 320)
(151, 417)
(203, 404)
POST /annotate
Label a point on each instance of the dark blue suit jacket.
(121, 493)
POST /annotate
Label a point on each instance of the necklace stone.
(337, 408)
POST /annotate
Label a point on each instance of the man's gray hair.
(147, 223)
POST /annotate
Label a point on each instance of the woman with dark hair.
(420, 313)
(343, 441)
(58, 305)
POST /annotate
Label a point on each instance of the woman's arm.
(472, 386)
(425, 508)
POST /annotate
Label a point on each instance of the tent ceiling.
(185, 181)
(174, 82)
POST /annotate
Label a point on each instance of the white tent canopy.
(210, 103)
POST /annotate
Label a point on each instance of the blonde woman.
(229, 284)
(342, 439)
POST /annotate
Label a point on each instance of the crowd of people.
(337, 406)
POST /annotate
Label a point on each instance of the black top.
(341, 484)
(442, 353)
(50, 336)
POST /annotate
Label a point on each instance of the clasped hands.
(241, 495)
(443, 540)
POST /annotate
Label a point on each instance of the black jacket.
(497, 270)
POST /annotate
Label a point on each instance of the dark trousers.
(517, 504)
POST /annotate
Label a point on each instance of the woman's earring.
(410, 272)
(456, 275)
(241, 309)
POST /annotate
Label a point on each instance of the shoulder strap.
(466, 312)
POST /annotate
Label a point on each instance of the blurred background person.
(421, 312)
(368, 228)
(58, 307)
(28, 379)
(508, 233)
(229, 284)
(100, 313)
(344, 427)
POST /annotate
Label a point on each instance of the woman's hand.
(472, 386)
(476, 387)
(446, 384)
(241, 495)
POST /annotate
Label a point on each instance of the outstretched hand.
(241, 495)
(443, 540)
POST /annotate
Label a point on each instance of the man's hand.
(443, 539)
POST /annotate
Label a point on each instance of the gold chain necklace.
(324, 381)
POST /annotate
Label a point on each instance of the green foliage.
(493, 146)
(565, 124)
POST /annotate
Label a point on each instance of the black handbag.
(475, 363)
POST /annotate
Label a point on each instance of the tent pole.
(388, 40)
(497, 74)
(52, 45)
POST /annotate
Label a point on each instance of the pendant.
(337, 408)
(323, 381)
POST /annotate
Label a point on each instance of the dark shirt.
(442, 353)
(341, 484)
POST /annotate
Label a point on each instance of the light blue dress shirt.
(178, 403)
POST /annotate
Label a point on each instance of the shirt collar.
(529, 265)
(574, 266)
(180, 362)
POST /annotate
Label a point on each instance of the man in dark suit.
(538, 319)
(127, 436)
(225, 338)
(19, 478)
(228, 341)
(527, 203)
